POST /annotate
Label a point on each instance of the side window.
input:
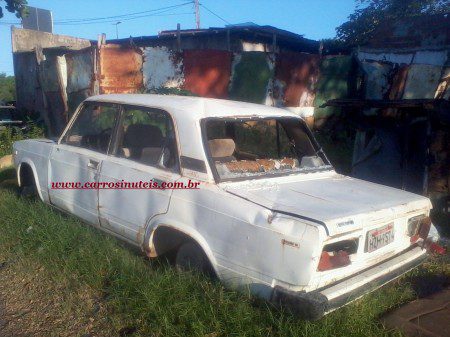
(93, 127)
(147, 136)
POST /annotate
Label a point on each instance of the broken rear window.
(261, 147)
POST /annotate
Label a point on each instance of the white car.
(266, 211)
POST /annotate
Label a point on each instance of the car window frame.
(77, 114)
(116, 136)
(213, 167)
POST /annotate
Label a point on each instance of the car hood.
(338, 202)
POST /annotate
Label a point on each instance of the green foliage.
(370, 14)
(169, 91)
(251, 77)
(333, 83)
(19, 7)
(9, 135)
(7, 88)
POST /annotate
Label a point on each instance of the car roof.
(187, 113)
(195, 108)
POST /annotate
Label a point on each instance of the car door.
(76, 159)
(145, 151)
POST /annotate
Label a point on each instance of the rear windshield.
(241, 149)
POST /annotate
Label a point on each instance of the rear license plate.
(380, 237)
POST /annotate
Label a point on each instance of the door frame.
(144, 168)
(78, 149)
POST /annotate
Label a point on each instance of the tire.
(28, 191)
(190, 257)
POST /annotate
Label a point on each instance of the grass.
(140, 297)
(9, 135)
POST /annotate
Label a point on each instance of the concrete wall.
(26, 40)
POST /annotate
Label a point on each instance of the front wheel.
(28, 191)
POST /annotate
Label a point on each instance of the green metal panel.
(335, 74)
(250, 77)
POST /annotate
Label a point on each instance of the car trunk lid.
(341, 203)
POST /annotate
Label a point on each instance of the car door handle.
(93, 164)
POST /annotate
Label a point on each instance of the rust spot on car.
(285, 242)
(140, 234)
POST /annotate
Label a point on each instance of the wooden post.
(178, 37)
(274, 43)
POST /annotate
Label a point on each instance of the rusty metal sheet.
(422, 81)
(207, 72)
(443, 90)
(297, 73)
(80, 77)
(80, 70)
(52, 82)
(41, 88)
(120, 69)
(398, 82)
(29, 96)
(377, 76)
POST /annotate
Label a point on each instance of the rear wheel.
(190, 257)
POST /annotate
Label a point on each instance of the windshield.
(251, 148)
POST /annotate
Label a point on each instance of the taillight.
(336, 255)
(337, 260)
(418, 228)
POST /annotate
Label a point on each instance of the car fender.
(188, 230)
(29, 162)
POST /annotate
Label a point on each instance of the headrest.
(142, 135)
(221, 148)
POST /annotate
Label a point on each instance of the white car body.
(265, 234)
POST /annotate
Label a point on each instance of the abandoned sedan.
(267, 212)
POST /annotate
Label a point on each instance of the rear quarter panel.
(246, 249)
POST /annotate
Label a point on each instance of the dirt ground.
(426, 317)
(30, 306)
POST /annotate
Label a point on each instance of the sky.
(315, 19)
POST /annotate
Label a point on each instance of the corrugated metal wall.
(207, 72)
(80, 77)
(405, 73)
(252, 77)
(120, 69)
(335, 81)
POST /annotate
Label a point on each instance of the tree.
(19, 7)
(370, 14)
(7, 88)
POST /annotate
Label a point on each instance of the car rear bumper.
(315, 304)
